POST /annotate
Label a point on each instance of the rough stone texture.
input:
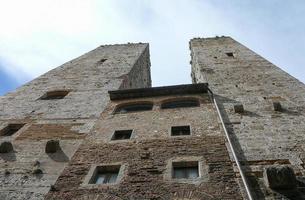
(147, 155)
(88, 78)
(262, 136)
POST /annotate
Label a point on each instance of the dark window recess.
(105, 175)
(180, 130)
(180, 104)
(134, 108)
(230, 54)
(60, 94)
(101, 61)
(11, 129)
(185, 170)
(121, 135)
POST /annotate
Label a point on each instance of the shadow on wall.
(252, 180)
(59, 156)
(10, 157)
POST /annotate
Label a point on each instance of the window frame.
(203, 169)
(185, 167)
(106, 170)
(88, 181)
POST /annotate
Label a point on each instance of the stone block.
(239, 108)
(52, 146)
(6, 147)
(280, 177)
(37, 170)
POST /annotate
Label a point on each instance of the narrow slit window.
(11, 129)
(180, 104)
(121, 135)
(134, 108)
(230, 54)
(180, 130)
(59, 94)
(185, 170)
(105, 175)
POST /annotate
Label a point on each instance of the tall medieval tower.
(94, 128)
(263, 110)
(62, 104)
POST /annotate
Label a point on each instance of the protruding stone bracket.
(6, 147)
(280, 177)
(239, 108)
(52, 146)
(277, 106)
(37, 170)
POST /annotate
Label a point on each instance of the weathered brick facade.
(260, 105)
(147, 155)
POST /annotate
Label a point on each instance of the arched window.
(180, 103)
(136, 107)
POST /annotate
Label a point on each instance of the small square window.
(185, 170)
(180, 130)
(121, 135)
(230, 54)
(10, 129)
(55, 95)
(105, 174)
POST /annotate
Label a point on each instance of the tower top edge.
(209, 38)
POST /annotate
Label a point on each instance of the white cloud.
(39, 35)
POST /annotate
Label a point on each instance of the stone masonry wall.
(146, 156)
(88, 78)
(262, 136)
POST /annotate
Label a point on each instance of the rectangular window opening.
(10, 129)
(185, 170)
(230, 54)
(55, 95)
(122, 135)
(180, 130)
(105, 174)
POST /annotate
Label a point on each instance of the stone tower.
(263, 111)
(63, 105)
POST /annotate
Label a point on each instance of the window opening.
(180, 130)
(230, 54)
(11, 129)
(185, 170)
(134, 108)
(105, 175)
(54, 95)
(180, 104)
(121, 135)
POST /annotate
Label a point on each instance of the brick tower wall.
(262, 136)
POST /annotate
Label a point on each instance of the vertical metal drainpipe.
(243, 177)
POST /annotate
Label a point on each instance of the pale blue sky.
(37, 36)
